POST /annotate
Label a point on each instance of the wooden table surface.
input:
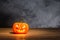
(33, 34)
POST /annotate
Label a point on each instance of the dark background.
(37, 13)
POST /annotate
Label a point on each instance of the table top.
(33, 34)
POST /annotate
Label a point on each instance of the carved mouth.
(21, 30)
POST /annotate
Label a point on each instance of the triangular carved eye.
(23, 26)
(17, 26)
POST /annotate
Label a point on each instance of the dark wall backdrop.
(37, 13)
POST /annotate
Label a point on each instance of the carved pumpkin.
(20, 27)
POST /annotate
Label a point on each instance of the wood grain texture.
(33, 34)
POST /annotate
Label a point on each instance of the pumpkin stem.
(22, 20)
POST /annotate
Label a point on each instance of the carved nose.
(21, 28)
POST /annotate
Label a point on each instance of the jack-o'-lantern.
(20, 27)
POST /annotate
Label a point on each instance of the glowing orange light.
(20, 36)
(20, 27)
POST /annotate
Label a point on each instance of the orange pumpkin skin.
(20, 28)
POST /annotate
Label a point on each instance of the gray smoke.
(37, 13)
